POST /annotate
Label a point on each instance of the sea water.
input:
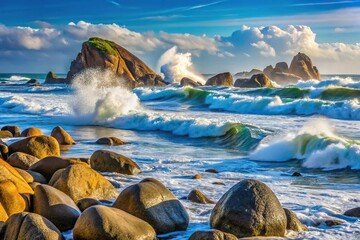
(312, 127)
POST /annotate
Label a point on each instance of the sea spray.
(100, 95)
(316, 144)
(176, 66)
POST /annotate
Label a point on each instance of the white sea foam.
(176, 65)
(316, 144)
(17, 78)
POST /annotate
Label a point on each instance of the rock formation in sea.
(52, 78)
(105, 54)
(247, 74)
(257, 80)
(221, 79)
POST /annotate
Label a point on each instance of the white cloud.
(265, 49)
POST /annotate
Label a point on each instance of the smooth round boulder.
(248, 209)
(8, 173)
(106, 223)
(37, 146)
(85, 203)
(31, 132)
(5, 134)
(292, 222)
(4, 150)
(15, 130)
(56, 206)
(25, 175)
(221, 79)
(37, 177)
(29, 226)
(151, 201)
(198, 197)
(62, 136)
(107, 161)
(79, 181)
(111, 141)
(11, 202)
(49, 165)
(354, 212)
(212, 235)
(22, 160)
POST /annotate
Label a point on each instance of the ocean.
(312, 127)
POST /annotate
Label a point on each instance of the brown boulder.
(302, 66)
(198, 197)
(11, 202)
(106, 223)
(293, 223)
(5, 134)
(112, 141)
(29, 226)
(85, 203)
(56, 206)
(22, 160)
(107, 161)
(30, 132)
(104, 54)
(62, 136)
(25, 175)
(151, 201)
(15, 130)
(152, 80)
(52, 78)
(221, 79)
(37, 146)
(4, 150)
(189, 82)
(79, 181)
(259, 80)
(7, 172)
(212, 235)
(354, 212)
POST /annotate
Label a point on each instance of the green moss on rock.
(104, 46)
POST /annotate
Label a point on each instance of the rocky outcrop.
(221, 79)
(248, 209)
(151, 201)
(151, 80)
(302, 66)
(104, 54)
(107, 161)
(38, 146)
(29, 226)
(52, 78)
(106, 223)
(78, 182)
(247, 74)
(189, 82)
(268, 70)
(282, 66)
(259, 80)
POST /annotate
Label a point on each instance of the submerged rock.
(248, 209)
(151, 201)
(221, 79)
(111, 141)
(198, 197)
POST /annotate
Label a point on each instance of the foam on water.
(316, 144)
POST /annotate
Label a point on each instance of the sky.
(221, 35)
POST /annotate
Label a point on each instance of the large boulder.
(302, 66)
(49, 165)
(15, 130)
(8, 173)
(11, 202)
(354, 212)
(22, 160)
(259, 80)
(292, 222)
(104, 54)
(106, 223)
(248, 209)
(5, 134)
(221, 79)
(189, 82)
(52, 78)
(30, 132)
(212, 235)
(79, 181)
(37, 146)
(107, 161)
(62, 136)
(56, 206)
(29, 226)
(4, 150)
(151, 201)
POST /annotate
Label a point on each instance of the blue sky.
(229, 31)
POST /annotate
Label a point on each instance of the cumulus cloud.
(265, 49)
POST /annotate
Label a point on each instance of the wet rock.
(106, 223)
(198, 197)
(152, 80)
(11, 202)
(37, 146)
(197, 176)
(79, 181)
(257, 212)
(212, 235)
(218, 183)
(151, 201)
(354, 212)
(293, 223)
(52, 78)
(22, 160)
(333, 222)
(221, 79)
(302, 66)
(296, 174)
(25, 175)
(30, 132)
(211, 170)
(259, 80)
(6, 134)
(8, 173)
(56, 206)
(85, 203)
(189, 82)
(107, 161)
(62, 136)
(111, 141)
(32, 81)
(15, 130)
(4, 150)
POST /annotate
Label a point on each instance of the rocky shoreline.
(46, 195)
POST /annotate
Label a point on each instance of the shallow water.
(175, 133)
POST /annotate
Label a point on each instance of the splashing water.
(99, 94)
(176, 66)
